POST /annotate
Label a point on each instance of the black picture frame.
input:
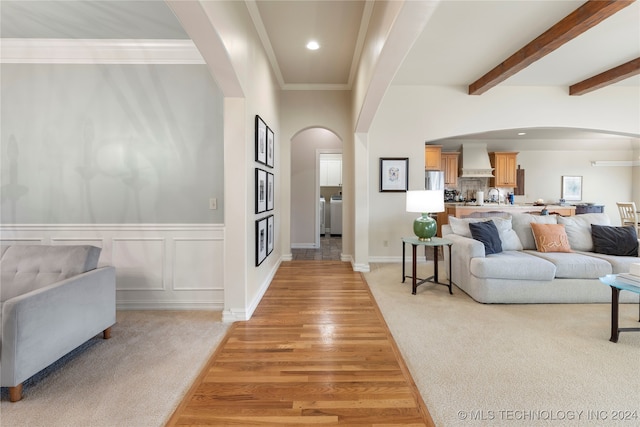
(261, 240)
(261, 140)
(270, 147)
(270, 234)
(270, 191)
(261, 191)
(394, 174)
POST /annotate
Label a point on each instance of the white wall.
(304, 182)
(123, 157)
(244, 74)
(301, 110)
(91, 144)
(411, 115)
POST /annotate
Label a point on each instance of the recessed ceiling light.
(521, 133)
(313, 45)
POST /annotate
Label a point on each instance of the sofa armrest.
(41, 326)
(466, 247)
(463, 250)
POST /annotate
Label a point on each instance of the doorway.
(316, 195)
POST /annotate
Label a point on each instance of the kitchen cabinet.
(432, 158)
(504, 164)
(331, 172)
(449, 163)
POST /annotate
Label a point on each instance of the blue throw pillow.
(610, 240)
(487, 233)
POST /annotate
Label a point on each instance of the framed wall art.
(261, 240)
(261, 191)
(261, 140)
(572, 187)
(270, 234)
(270, 190)
(270, 147)
(394, 174)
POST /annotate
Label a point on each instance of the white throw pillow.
(521, 224)
(578, 229)
(508, 237)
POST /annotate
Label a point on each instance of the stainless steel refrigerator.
(434, 180)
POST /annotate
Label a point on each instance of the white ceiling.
(466, 39)
(461, 42)
(338, 26)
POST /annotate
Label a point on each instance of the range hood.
(475, 161)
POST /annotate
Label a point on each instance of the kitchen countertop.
(506, 206)
(461, 210)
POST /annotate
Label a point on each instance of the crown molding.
(98, 51)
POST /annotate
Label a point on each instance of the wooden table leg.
(435, 264)
(615, 293)
(403, 276)
(450, 292)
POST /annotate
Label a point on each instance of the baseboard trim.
(396, 259)
(177, 305)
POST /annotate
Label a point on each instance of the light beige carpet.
(135, 379)
(512, 365)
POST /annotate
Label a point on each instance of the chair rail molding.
(158, 266)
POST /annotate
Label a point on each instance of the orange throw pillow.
(550, 237)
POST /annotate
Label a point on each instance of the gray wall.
(109, 144)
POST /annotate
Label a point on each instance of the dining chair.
(629, 215)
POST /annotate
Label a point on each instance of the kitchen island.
(464, 210)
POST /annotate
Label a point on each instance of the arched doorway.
(307, 190)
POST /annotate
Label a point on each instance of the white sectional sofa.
(522, 274)
(53, 299)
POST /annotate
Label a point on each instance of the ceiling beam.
(571, 26)
(606, 78)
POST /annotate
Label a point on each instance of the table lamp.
(425, 202)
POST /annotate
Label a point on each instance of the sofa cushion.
(522, 226)
(27, 267)
(508, 238)
(620, 241)
(512, 265)
(578, 229)
(619, 264)
(572, 265)
(487, 233)
(550, 238)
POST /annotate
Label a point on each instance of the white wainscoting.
(158, 266)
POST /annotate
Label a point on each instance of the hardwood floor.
(316, 352)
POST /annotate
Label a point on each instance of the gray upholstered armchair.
(53, 299)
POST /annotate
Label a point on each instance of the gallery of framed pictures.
(264, 191)
(264, 238)
(265, 143)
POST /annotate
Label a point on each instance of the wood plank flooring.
(316, 352)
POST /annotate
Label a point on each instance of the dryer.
(335, 206)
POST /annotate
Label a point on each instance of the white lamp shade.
(425, 201)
